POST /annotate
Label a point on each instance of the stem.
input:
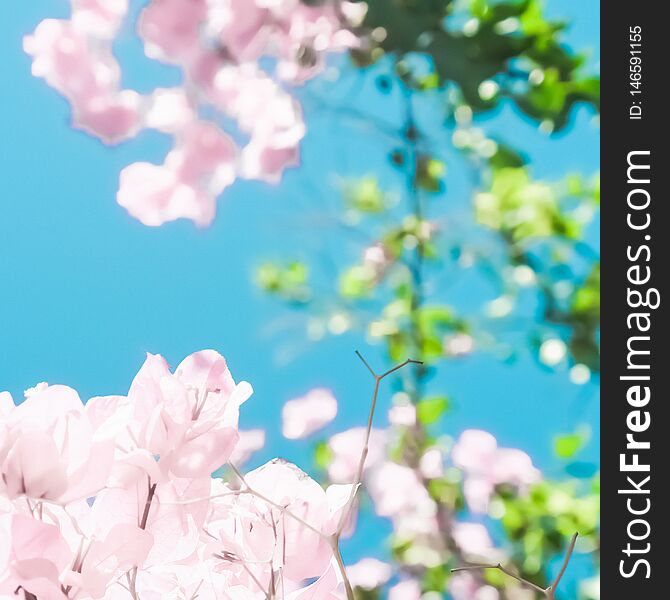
(366, 447)
(529, 584)
(343, 570)
(132, 578)
(361, 466)
(147, 505)
(549, 592)
(566, 560)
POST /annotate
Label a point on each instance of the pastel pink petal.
(347, 447)
(204, 454)
(515, 467)
(475, 450)
(6, 406)
(309, 413)
(154, 195)
(268, 163)
(473, 539)
(369, 573)
(36, 539)
(249, 442)
(206, 370)
(338, 496)
(39, 577)
(327, 587)
(48, 406)
(98, 17)
(125, 546)
(410, 589)
(201, 150)
(170, 28)
(477, 494)
(33, 467)
(92, 475)
(111, 118)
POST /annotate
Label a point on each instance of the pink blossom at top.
(218, 46)
(486, 465)
(304, 415)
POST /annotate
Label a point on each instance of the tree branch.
(550, 592)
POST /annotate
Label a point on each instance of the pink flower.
(347, 447)
(171, 28)
(409, 589)
(87, 75)
(218, 46)
(369, 573)
(32, 557)
(431, 464)
(188, 419)
(473, 539)
(330, 586)
(195, 172)
(258, 532)
(125, 546)
(396, 490)
(464, 586)
(304, 415)
(50, 448)
(403, 415)
(486, 465)
(249, 441)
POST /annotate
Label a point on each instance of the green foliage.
(540, 522)
(365, 195)
(431, 408)
(523, 209)
(566, 446)
(288, 281)
(489, 50)
(536, 243)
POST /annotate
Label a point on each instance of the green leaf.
(323, 455)
(430, 409)
(286, 280)
(365, 195)
(568, 444)
(357, 282)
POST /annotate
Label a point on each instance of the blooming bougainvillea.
(219, 46)
(114, 498)
(120, 498)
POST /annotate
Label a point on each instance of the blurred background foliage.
(532, 238)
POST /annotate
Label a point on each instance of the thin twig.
(529, 584)
(366, 446)
(346, 511)
(566, 560)
(549, 592)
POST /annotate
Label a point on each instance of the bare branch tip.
(365, 362)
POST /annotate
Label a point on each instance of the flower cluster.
(114, 498)
(219, 45)
(400, 490)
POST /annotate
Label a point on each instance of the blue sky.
(86, 290)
